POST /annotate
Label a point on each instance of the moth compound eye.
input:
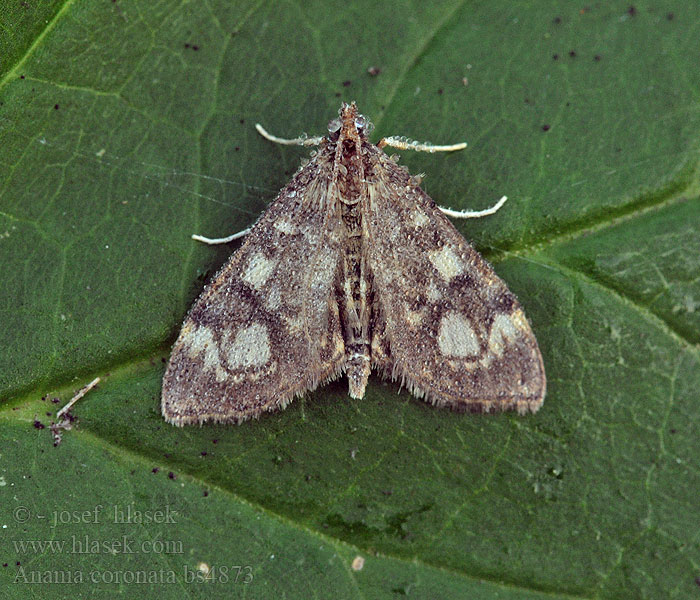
(363, 124)
(334, 125)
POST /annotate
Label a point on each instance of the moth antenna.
(473, 214)
(405, 144)
(224, 240)
(299, 141)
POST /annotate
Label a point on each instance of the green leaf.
(126, 127)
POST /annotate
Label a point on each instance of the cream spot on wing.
(433, 292)
(503, 330)
(414, 318)
(284, 225)
(274, 298)
(258, 270)
(419, 218)
(456, 337)
(447, 263)
(250, 348)
(200, 340)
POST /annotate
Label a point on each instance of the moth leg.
(300, 141)
(473, 214)
(225, 240)
(404, 144)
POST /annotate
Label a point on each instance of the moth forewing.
(451, 329)
(268, 325)
(353, 266)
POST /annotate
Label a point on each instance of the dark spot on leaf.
(155, 469)
(597, 57)
(555, 57)
(374, 71)
(21, 76)
(237, 148)
(572, 53)
(55, 106)
(347, 83)
(440, 91)
(337, 94)
(632, 11)
(206, 493)
(545, 127)
(215, 441)
(670, 16)
(48, 414)
(203, 452)
(38, 424)
(242, 121)
(171, 475)
(556, 20)
(673, 430)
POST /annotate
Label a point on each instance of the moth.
(353, 267)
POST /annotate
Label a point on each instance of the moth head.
(350, 124)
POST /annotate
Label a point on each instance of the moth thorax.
(350, 178)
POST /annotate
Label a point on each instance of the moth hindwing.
(352, 267)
